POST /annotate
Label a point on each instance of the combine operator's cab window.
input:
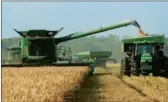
(40, 48)
(147, 48)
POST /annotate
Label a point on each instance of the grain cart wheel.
(125, 68)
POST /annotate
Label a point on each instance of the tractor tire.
(125, 68)
(155, 74)
(122, 68)
(145, 73)
(135, 70)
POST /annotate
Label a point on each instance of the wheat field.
(52, 84)
(107, 86)
(155, 88)
(40, 84)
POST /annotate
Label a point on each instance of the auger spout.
(98, 30)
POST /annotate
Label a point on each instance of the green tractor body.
(144, 55)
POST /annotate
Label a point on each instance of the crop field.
(154, 87)
(40, 84)
(103, 86)
(53, 84)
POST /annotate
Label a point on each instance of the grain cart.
(144, 55)
(39, 47)
(99, 58)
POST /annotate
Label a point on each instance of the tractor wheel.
(122, 68)
(125, 68)
(145, 73)
(155, 74)
(136, 71)
(155, 69)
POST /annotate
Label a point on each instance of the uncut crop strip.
(40, 83)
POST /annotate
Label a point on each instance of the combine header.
(39, 47)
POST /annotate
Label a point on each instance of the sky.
(84, 16)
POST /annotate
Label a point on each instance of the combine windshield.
(41, 48)
(147, 48)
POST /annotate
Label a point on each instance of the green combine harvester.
(39, 47)
(144, 55)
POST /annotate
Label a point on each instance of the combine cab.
(144, 55)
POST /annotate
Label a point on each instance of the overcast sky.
(78, 16)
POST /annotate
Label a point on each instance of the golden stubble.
(155, 88)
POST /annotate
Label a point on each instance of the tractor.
(144, 55)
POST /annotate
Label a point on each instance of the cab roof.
(149, 39)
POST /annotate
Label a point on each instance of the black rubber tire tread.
(145, 74)
(135, 72)
(125, 69)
